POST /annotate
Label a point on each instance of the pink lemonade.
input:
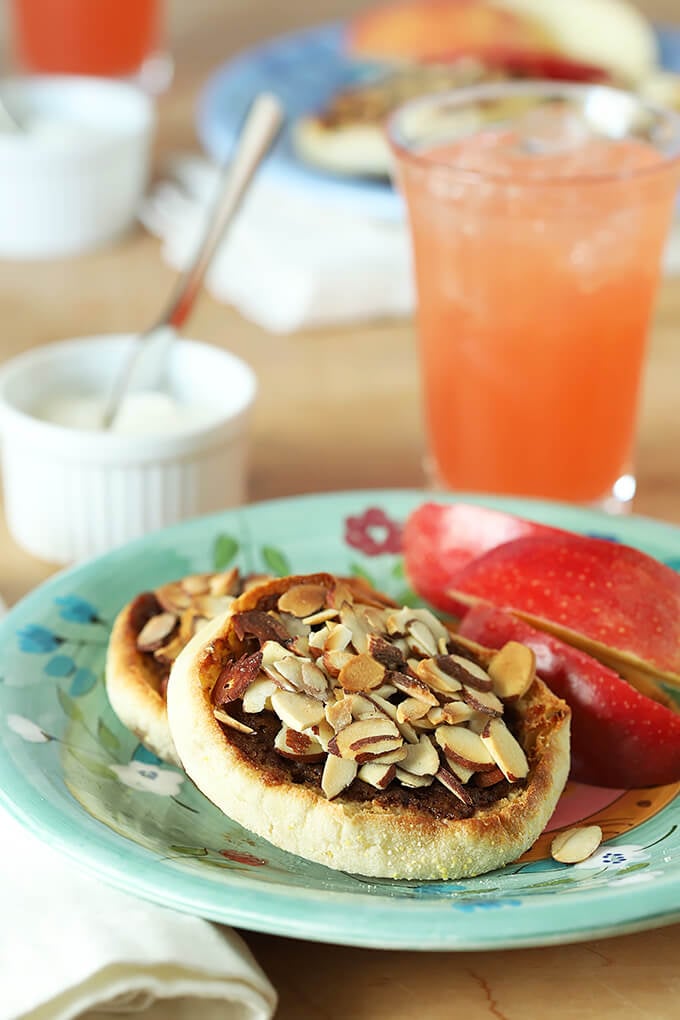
(536, 269)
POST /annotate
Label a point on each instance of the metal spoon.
(262, 124)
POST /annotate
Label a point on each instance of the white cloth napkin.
(291, 262)
(72, 947)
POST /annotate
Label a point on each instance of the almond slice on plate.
(577, 844)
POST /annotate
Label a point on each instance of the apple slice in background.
(611, 600)
(619, 737)
(440, 540)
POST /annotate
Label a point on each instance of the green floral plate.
(74, 776)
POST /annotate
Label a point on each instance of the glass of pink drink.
(538, 215)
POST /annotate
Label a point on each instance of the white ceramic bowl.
(71, 494)
(73, 179)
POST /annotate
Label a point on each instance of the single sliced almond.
(212, 605)
(397, 623)
(384, 691)
(414, 687)
(323, 732)
(338, 774)
(421, 639)
(224, 584)
(273, 650)
(339, 637)
(289, 668)
(322, 616)
(339, 713)
(365, 739)
(298, 746)
(156, 632)
(363, 707)
(196, 584)
(455, 712)
(431, 674)
(181, 637)
(236, 677)
(313, 681)
(357, 626)
(228, 720)
(421, 759)
(485, 702)
(300, 646)
(577, 844)
(505, 750)
(411, 780)
(302, 599)
(391, 757)
(377, 774)
(298, 711)
(466, 671)
(454, 786)
(411, 709)
(465, 747)
(173, 598)
(459, 771)
(256, 696)
(512, 670)
(361, 673)
(383, 651)
(339, 595)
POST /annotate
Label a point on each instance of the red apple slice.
(439, 541)
(614, 602)
(619, 738)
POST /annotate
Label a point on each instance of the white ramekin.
(71, 494)
(63, 193)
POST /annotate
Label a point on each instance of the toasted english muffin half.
(365, 736)
(147, 636)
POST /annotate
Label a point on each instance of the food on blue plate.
(147, 636)
(364, 735)
(424, 46)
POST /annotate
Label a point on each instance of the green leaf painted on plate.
(93, 765)
(107, 737)
(189, 851)
(633, 867)
(224, 551)
(71, 708)
(276, 561)
(359, 571)
(547, 885)
(398, 570)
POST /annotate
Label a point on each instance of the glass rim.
(460, 98)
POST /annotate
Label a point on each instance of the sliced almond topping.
(391, 757)
(289, 669)
(485, 702)
(385, 652)
(468, 672)
(433, 624)
(397, 622)
(454, 712)
(338, 638)
(411, 780)
(224, 584)
(180, 637)
(465, 747)
(365, 739)
(273, 650)
(173, 598)
(317, 641)
(323, 732)
(512, 670)
(313, 680)
(302, 599)
(156, 631)
(405, 727)
(339, 713)
(255, 696)
(363, 707)
(361, 673)
(321, 617)
(264, 626)
(414, 687)
(421, 759)
(421, 639)
(196, 584)
(411, 709)
(298, 746)
(505, 750)
(452, 784)
(234, 724)
(298, 711)
(334, 662)
(212, 605)
(460, 772)
(490, 778)
(340, 594)
(577, 844)
(236, 677)
(300, 645)
(431, 674)
(357, 626)
(377, 774)
(384, 691)
(436, 716)
(337, 775)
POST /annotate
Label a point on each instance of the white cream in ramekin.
(73, 493)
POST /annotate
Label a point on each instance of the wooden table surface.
(358, 426)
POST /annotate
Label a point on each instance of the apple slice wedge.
(619, 737)
(441, 540)
(610, 600)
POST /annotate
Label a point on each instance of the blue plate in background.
(305, 69)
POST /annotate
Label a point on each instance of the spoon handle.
(261, 126)
(259, 131)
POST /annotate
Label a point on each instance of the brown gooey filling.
(372, 702)
(163, 621)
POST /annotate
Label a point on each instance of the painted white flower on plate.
(27, 729)
(614, 857)
(149, 778)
